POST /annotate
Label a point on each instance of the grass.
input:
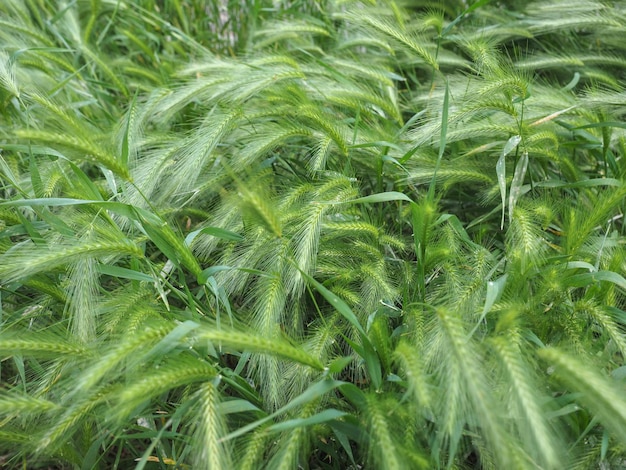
(332, 234)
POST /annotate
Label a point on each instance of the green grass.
(312, 234)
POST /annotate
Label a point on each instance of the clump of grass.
(312, 234)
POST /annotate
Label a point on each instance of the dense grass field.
(312, 234)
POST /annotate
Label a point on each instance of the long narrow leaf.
(311, 394)
(319, 418)
(501, 171)
(518, 181)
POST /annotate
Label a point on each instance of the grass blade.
(501, 171)
(314, 392)
(518, 181)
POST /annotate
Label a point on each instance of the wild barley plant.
(312, 235)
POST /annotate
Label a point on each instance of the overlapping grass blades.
(312, 234)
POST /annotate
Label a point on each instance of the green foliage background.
(312, 234)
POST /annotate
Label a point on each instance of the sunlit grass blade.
(501, 171)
